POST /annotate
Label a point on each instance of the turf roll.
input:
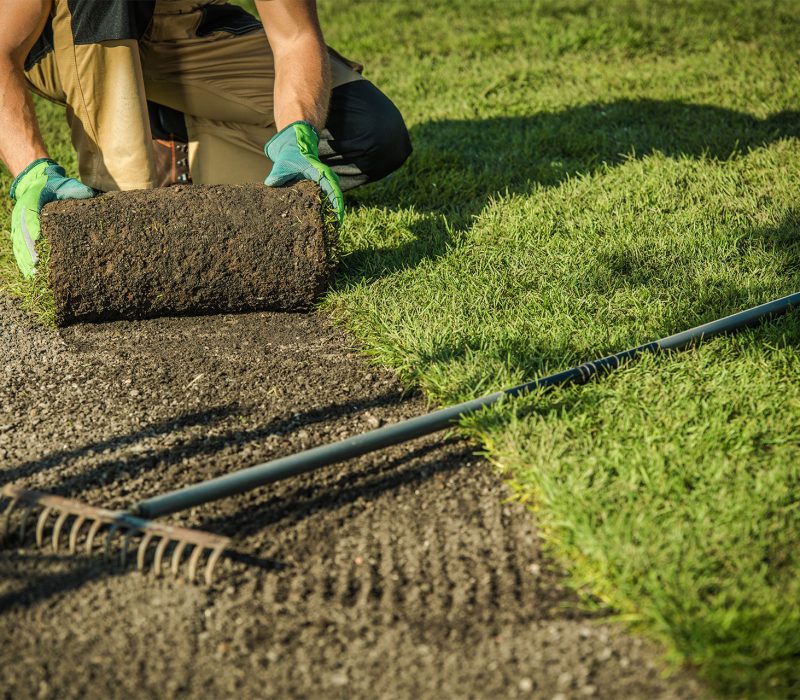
(194, 249)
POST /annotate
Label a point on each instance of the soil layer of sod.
(407, 573)
(188, 250)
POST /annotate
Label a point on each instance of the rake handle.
(325, 455)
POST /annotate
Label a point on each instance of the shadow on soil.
(363, 485)
(458, 165)
(113, 469)
(73, 573)
(300, 502)
(167, 427)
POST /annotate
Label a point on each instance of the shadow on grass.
(656, 275)
(458, 165)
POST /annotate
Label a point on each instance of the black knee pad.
(366, 134)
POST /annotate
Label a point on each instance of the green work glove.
(43, 181)
(294, 156)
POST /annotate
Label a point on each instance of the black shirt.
(98, 20)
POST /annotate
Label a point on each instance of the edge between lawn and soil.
(597, 589)
(679, 189)
(499, 432)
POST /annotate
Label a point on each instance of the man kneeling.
(165, 91)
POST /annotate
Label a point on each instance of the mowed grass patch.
(588, 177)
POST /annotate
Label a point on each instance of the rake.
(86, 522)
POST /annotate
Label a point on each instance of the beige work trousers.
(223, 84)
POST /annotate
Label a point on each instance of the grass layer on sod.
(588, 176)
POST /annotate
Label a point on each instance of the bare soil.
(405, 574)
(188, 250)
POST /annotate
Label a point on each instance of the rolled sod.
(190, 249)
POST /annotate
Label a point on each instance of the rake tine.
(7, 518)
(93, 530)
(216, 553)
(62, 518)
(123, 557)
(23, 524)
(140, 555)
(40, 526)
(159, 557)
(107, 543)
(176, 557)
(74, 532)
(193, 562)
(173, 542)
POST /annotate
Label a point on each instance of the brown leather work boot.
(172, 162)
(170, 145)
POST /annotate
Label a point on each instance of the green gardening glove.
(42, 182)
(294, 156)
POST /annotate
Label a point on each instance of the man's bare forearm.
(20, 138)
(302, 86)
(302, 70)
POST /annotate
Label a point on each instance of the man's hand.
(294, 156)
(43, 181)
(302, 91)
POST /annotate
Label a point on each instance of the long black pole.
(324, 455)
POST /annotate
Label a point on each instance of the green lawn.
(588, 176)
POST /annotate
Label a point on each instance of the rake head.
(95, 530)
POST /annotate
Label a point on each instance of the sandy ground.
(403, 574)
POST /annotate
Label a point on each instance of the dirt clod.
(188, 250)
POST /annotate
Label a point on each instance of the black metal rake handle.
(325, 455)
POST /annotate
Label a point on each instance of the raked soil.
(404, 574)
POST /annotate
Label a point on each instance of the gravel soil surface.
(403, 574)
(188, 250)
